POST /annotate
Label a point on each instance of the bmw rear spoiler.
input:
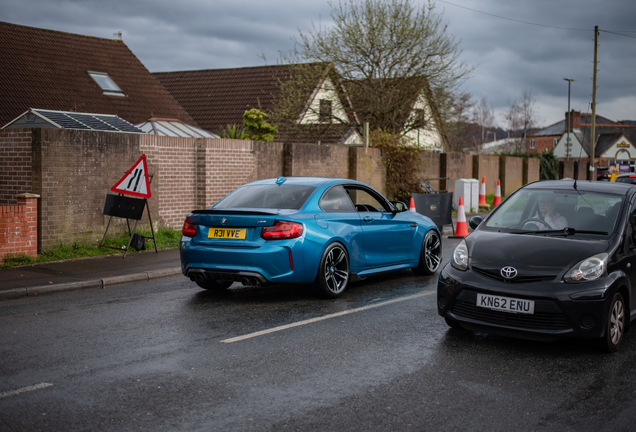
(236, 212)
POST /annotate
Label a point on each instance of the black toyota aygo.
(555, 259)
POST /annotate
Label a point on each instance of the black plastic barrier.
(437, 206)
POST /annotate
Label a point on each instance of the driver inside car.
(548, 215)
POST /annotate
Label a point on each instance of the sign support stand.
(124, 207)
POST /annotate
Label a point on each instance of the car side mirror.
(475, 221)
(399, 206)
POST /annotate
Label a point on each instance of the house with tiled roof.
(216, 98)
(408, 108)
(51, 70)
(614, 142)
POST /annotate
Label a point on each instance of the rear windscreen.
(626, 179)
(290, 197)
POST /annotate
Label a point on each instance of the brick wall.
(430, 168)
(455, 166)
(531, 167)
(486, 166)
(268, 157)
(73, 172)
(510, 174)
(541, 143)
(366, 165)
(18, 227)
(316, 160)
(15, 164)
(581, 169)
(566, 169)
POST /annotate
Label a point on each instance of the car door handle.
(413, 224)
(368, 219)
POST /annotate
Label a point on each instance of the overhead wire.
(617, 32)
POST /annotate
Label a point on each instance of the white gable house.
(324, 106)
(426, 137)
(573, 149)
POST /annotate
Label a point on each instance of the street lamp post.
(567, 143)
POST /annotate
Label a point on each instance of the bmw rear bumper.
(276, 262)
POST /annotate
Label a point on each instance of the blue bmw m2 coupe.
(307, 230)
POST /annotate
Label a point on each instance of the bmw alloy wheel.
(430, 255)
(333, 273)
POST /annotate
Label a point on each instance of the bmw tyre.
(615, 326)
(430, 255)
(333, 271)
(214, 285)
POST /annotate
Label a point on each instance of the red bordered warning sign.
(135, 181)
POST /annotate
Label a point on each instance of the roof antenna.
(118, 34)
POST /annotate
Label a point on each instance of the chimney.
(575, 120)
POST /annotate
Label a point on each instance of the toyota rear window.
(291, 197)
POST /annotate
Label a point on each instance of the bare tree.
(457, 125)
(521, 117)
(388, 54)
(484, 116)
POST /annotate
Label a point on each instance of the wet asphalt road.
(156, 356)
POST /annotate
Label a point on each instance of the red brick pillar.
(29, 240)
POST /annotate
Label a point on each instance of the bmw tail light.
(189, 230)
(282, 230)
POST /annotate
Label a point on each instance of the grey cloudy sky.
(509, 56)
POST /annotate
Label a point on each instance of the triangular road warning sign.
(135, 181)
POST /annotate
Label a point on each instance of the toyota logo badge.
(509, 272)
(224, 221)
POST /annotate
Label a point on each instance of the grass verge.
(165, 239)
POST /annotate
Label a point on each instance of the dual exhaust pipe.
(197, 276)
(250, 281)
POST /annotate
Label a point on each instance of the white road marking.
(335, 315)
(24, 389)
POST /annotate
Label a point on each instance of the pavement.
(96, 272)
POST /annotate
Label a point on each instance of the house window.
(531, 144)
(554, 142)
(419, 118)
(106, 83)
(325, 111)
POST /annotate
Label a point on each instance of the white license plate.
(505, 304)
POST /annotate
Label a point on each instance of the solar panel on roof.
(120, 124)
(86, 121)
(64, 121)
(94, 122)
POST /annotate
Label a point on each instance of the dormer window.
(106, 83)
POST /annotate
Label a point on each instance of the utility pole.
(569, 128)
(593, 131)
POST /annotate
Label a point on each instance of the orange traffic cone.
(461, 230)
(412, 207)
(482, 192)
(497, 199)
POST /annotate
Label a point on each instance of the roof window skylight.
(106, 83)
